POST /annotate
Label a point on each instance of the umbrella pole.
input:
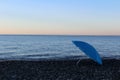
(78, 62)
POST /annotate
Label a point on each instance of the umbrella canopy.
(88, 50)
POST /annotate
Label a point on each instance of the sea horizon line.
(51, 35)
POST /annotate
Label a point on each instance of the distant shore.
(60, 70)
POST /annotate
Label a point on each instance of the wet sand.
(60, 70)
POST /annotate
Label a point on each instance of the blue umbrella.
(88, 50)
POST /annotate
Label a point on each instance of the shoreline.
(60, 70)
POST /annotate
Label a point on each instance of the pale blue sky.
(76, 17)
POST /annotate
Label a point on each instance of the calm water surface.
(21, 47)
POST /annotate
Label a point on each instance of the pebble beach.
(60, 70)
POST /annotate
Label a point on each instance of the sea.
(50, 47)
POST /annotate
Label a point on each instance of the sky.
(60, 17)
